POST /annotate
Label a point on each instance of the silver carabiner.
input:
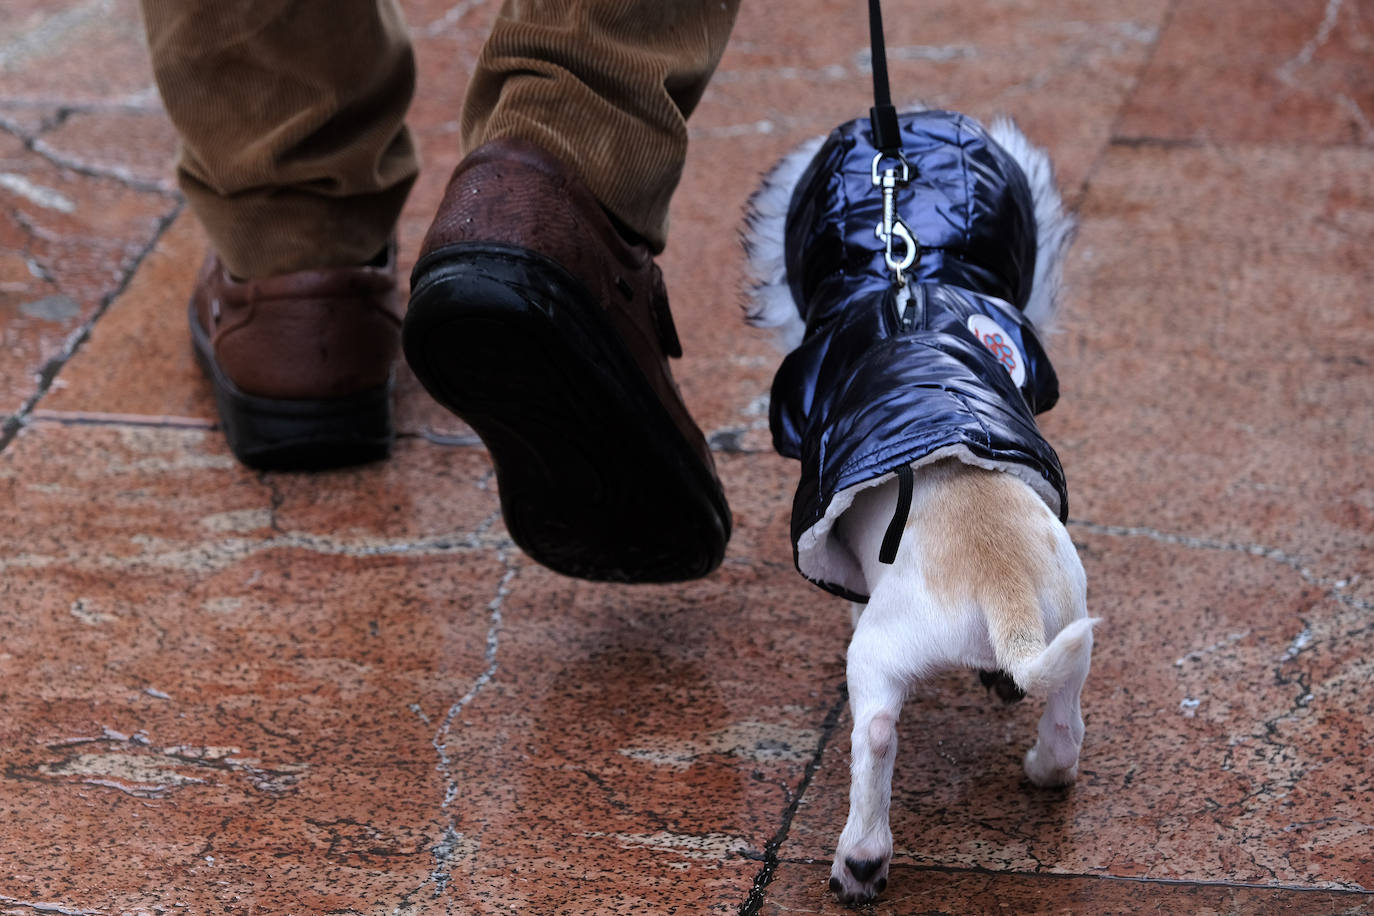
(892, 226)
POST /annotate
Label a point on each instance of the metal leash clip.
(892, 225)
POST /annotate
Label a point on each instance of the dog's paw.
(1044, 771)
(1002, 684)
(854, 880)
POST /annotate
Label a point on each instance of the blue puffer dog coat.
(949, 366)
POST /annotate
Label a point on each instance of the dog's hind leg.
(877, 688)
(1053, 760)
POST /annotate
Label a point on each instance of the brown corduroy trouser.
(295, 153)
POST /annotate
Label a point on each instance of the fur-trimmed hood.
(949, 366)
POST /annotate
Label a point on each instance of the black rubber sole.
(274, 434)
(595, 480)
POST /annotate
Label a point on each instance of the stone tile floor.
(223, 691)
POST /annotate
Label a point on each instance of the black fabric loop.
(887, 553)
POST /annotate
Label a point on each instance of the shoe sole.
(595, 479)
(280, 434)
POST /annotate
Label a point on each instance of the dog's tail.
(1054, 228)
(1038, 669)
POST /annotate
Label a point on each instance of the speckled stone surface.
(226, 691)
(1260, 72)
(941, 892)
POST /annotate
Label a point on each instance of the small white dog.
(985, 575)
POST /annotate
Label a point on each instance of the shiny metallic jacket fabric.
(869, 389)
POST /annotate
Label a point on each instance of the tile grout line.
(1130, 879)
(48, 374)
(752, 903)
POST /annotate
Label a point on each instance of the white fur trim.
(770, 302)
(822, 557)
(1054, 228)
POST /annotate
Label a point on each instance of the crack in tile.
(133, 765)
(1285, 73)
(493, 645)
(44, 907)
(453, 844)
(114, 173)
(1335, 586)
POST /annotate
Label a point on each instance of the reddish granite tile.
(1062, 69)
(74, 52)
(1225, 709)
(1237, 347)
(800, 889)
(1259, 70)
(66, 241)
(138, 360)
(676, 718)
(305, 691)
(230, 688)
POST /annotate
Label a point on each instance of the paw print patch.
(1001, 345)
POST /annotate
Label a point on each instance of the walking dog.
(927, 494)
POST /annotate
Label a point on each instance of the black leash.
(887, 135)
(887, 140)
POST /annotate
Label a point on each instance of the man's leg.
(295, 157)
(606, 87)
(537, 313)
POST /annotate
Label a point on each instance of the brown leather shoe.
(300, 363)
(537, 323)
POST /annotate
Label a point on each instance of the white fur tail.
(1054, 228)
(1062, 660)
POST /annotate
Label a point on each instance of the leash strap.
(887, 553)
(887, 136)
(887, 139)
